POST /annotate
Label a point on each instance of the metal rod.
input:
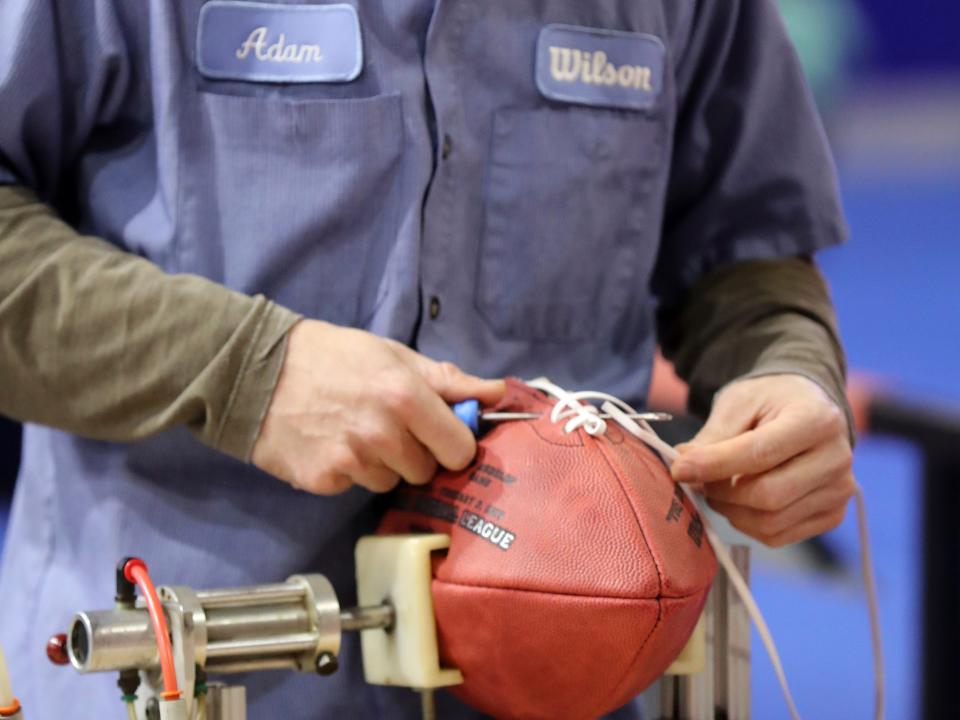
(256, 664)
(252, 648)
(232, 623)
(256, 595)
(428, 705)
(367, 618)
(496, 416)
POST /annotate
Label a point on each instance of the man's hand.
(353, 408)
(774, 458)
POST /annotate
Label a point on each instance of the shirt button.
(447, 147)
(434, 307)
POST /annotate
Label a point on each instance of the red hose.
(136, 572)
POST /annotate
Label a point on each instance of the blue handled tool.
(469, 413)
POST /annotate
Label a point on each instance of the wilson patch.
(606, 68)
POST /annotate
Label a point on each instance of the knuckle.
(770, 524)
(766, 451)
(381, 439)
(834, 519)
(831, 420)
(323, 483)
(448, 370)
(384, 483)
(423, 472)
(398, 392)
(345, 462)
(767, 500)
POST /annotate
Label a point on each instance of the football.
(577, 568)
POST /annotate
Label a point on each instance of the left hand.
(774, 458)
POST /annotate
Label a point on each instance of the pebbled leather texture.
(576, 570)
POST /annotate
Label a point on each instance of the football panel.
(672, 526)
(535, 655)
(534, 516)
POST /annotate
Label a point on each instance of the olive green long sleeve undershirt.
(761, 317)
(102, 343)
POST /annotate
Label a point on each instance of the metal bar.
(256, 664)
(233, 623)
(254, 648)
(737, 678)
(255, 595)
(367, 618)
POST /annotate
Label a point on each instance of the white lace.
(578, 414)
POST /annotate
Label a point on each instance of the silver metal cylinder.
(230, 623)
(289, 624)
(253, 595)
(258, 647)
(112, 640)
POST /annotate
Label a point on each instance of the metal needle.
(504, 416)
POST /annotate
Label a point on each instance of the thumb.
(727, 420)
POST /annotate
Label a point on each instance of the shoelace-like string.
(577, 414)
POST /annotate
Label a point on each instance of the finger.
(751, 452)
(784, 485)
(728, 418)
(325, 485)
(453, 384)
(809, 528)
(765, 524)
(432, 423)
(409, 458)
(377, 478)
(354, 461)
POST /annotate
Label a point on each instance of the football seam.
(636, 516)
(560, 593)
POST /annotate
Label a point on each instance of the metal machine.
(298, 625)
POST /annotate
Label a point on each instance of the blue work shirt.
(511, 186)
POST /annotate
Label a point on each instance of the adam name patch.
(263, 42)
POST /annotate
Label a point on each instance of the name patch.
(262, 42)
(607, 68)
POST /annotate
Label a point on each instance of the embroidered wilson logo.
(572, 66)
(279, 51)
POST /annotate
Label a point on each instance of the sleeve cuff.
(253, 389)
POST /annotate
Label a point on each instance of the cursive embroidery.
(279, 51)
(572, 65)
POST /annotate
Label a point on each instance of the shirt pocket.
(297, 199)
(568, 229)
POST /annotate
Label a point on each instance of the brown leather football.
(576, 572)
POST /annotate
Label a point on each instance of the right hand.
(351, 408)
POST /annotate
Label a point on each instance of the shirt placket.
(443, 237)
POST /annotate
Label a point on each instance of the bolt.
(153, 709)
(327, 663)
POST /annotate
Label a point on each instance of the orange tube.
(136, 572)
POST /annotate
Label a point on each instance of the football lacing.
(578, 415)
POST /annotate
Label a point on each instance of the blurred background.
(886, 75)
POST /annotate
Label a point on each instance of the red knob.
(57, 649)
